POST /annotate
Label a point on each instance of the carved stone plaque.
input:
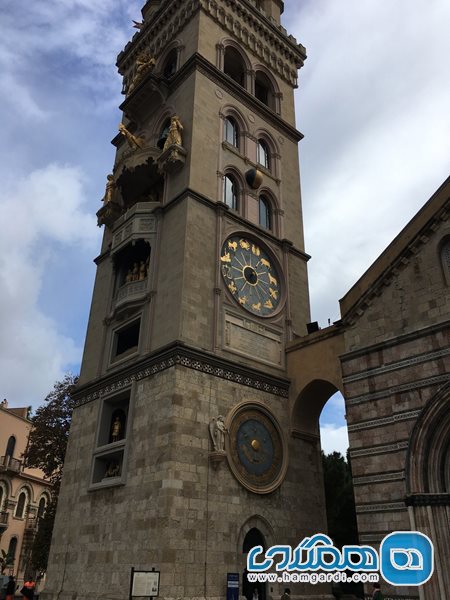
(251, 339)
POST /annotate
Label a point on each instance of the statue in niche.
(135, 272)
(144, 64)
(113, 469)
(133, 141)
(218, 430)
(110, 189)
(116, 430)
(129, 276)
(142, 271)
(174, 135)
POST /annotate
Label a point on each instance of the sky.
(373, 103)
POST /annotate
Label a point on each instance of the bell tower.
(181, 455)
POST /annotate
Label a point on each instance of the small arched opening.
(231, 192)
(264, 90)
(251, 590)
(234, 65)
(10, 446)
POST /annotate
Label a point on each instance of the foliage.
(41, 543)
(47, 442)
(3, 561)
(340, 502)
(46, 450)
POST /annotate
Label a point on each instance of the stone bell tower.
(181, 454)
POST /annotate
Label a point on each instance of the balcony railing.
(10, 464)
(31, 522)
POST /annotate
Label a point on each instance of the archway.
(253, 538)
(428, 485)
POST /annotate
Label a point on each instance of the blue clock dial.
(256, 449)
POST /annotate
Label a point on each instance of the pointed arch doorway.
(254, 537)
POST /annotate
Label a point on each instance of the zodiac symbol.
(265, 263)
(272, 280)
(226, 258)
(256, 251)
(273, 293)
(243, 300)
(257, 306)
(244, 244)
(232, 245)
(232, 287)
(268, 304)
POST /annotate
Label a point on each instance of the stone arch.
(308, 406)
(234, 62)
(265, 79)
(444, 257)
(428, 485)
(4, 494)
(428, 458)
(268, 194)
(235, 174)
(255, 531)
(161, 120)
(175, 48)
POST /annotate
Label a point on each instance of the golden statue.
(129, 276)
(116, 430)
(174, 135)
(109, 190)
(142, 270)
(133, 141)
(144, 64)
(135, 272)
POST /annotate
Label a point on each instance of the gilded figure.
(109, 190)
(116, 430)
(133, 141)
(174, 135)
(144, 64)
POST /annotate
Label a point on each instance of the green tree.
(46, 450)
(340, 502)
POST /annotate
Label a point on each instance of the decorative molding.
(401, 364)
(385, 449)
(380, 478)
(405, 416)
(181, 355)
(396, 265)
(382, 507)
(428, 500)
(405, 387)
(395, 341)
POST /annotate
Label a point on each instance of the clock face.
(251, 276)
(256, 450)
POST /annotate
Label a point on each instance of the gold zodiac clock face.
(251, 276)
(257, 451)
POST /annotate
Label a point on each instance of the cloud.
(44, 216)
(374, 109)
(334, 439)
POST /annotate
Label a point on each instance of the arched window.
(163, 135)
(234, 65)
(11, 554)
(263, 154)
(230, 192)
(1, 498)
(445, 259)
(170, 64)
(10, 446)
(20, 507)
(41, 507)
(264, 90)
(231, 132)
(265, 213)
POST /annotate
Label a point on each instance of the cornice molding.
(178, 354)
